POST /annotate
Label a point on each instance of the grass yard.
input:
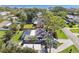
(2, 33)
(75, 26)
(61, 35)
(67, 26)
(71, 49)
(75, 30)
(58, 44)
(16, 36)
(28, 26)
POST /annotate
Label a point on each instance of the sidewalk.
(66, 44)
(71, 36)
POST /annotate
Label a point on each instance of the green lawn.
(67, 26)
(72, 48)
(16, 36)
(75, 30)
(61, 35)
(75, 26)
(28, 26)
(58, 44)
(2, 33)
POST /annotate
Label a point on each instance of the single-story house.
(38, 22)
(5, 23)
(4, 13)
(70, 16)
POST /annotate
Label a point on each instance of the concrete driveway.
(71, 36)
(66, 43)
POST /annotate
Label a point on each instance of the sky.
(41, 6)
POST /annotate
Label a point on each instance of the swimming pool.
(26, 33)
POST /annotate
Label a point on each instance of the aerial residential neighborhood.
(26, 29)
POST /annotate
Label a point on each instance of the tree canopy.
(53, 22)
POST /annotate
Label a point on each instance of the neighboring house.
(72, 18)
(39, 14)
(4, 13)
(38, 22)
(69, 20)
(14, 18)
(5, 23)
(7, 15)
(8, 24)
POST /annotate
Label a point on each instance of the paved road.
(71, 36)
(66, 43)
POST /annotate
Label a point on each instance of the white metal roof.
(32, 33)
(70, 16)
(36, 46)
(8, 24)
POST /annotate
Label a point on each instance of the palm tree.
(49, 42)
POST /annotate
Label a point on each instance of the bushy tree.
(13, 27)
(53, 23)
(22, 16)
(16, 49)
(7, 37)
(59, 11)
